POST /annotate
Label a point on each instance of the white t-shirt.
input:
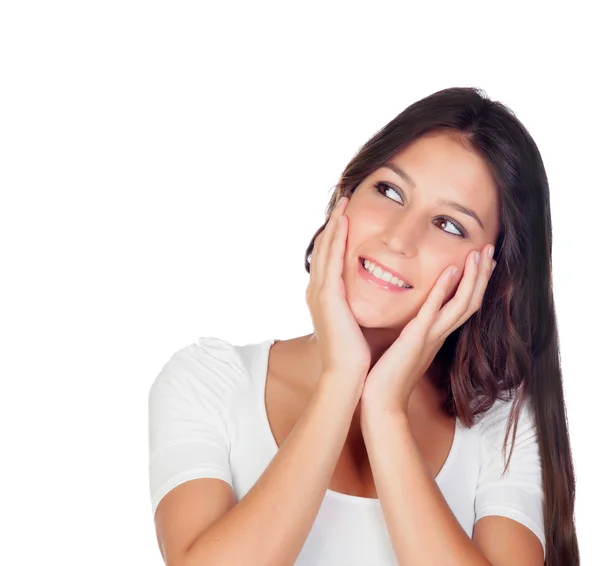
(207, 419)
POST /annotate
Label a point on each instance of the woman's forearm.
(270, 524)
(422, 527)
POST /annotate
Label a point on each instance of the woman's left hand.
(390, 382)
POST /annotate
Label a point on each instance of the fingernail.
(477, 256)
(491, 252)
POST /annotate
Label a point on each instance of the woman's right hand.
(342, 346)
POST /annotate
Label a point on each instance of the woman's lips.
(386, 268)
(369, 278)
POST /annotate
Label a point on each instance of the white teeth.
(384, 275)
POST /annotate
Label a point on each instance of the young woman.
(381, 437)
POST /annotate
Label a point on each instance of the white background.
(163, 166)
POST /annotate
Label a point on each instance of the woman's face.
(405, 228)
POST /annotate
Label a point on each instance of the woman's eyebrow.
(452, 204)
(402, 174)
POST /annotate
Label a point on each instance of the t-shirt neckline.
(263, 367)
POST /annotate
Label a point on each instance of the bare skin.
(410, 232)
(288, 392)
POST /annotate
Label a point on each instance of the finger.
(337, 252)
(484, 274)
(325, 237)
(430, 313)
(457, 310)
(314, 254)
(332, 228)
(318, 246)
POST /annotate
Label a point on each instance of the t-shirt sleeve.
(518, 494)
(186, 407)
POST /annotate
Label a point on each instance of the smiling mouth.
(393, 281)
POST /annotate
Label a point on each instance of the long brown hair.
(509, 348)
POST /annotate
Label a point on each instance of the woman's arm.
(421, 525)
(269, 526)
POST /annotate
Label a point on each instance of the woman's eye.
(384, 188)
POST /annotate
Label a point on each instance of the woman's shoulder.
(499, 412)
(495, 422)
(208, 369)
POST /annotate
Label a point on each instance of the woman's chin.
(367, 317)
